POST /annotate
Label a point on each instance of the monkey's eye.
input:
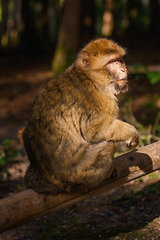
(120, 60)
(114, 60)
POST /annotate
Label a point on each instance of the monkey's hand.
(122, 131)
(133, 141)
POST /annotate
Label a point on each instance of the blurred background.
(39, 39)
(36, 26)
(64, 26)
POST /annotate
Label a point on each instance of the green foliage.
(138, 20)
(143, 72)
(151, 103)
(6, 142)
(158, 130)
(146, 120)
(7, 152)
(63, 58)
(154, 77)
(139, 65)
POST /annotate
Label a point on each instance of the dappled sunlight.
(18, 89)
(31, 33)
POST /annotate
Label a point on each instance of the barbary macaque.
(74, 123)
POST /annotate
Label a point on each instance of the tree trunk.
(28, 205)
(108, 19)
(67, 43)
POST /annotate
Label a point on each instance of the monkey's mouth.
(122, 82)
(121, 86)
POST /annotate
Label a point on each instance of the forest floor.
(129, 212)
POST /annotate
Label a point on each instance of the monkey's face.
(102, 62)
(117, 75)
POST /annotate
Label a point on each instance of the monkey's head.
(102, 62)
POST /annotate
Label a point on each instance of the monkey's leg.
(34, 180)
(122, 131)
(100, 169)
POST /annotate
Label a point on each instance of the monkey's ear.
(85, 58)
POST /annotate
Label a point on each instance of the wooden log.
(27, 205)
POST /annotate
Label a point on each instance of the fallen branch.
(28, 205)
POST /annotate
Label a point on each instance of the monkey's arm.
(122, 131)
(110, 130)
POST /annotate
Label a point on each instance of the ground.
(129, 212)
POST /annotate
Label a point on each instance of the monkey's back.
(56, 135)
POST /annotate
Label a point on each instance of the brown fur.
(73, 126)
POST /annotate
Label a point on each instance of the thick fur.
(73, 126)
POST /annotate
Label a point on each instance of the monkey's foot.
(114, 174)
